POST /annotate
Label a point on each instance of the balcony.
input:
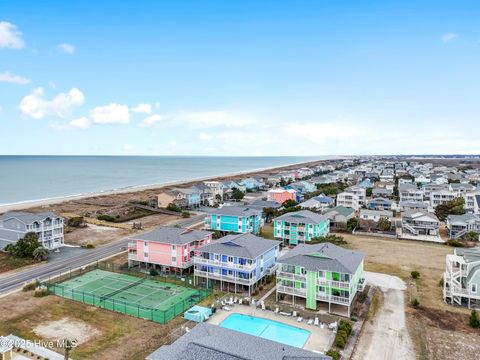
(229, 265)
(132, 245)
(132, 256)
(333, 283)
(228, 278)
(291, 290)
(291, 276)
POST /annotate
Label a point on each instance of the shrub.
(341, 339)
(31, 285)
(345, 326)
(334, 354)
(153, 272)
(415, 274)
(88, 246)
(76, 221)
(174, 207)
(106, 217)
(455, 243)
(185, 214)
(471, 236)
(474, 320)
(41, 291)
(415, 303)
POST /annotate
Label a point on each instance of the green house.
(321, 273)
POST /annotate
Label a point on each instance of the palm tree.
(68, 347)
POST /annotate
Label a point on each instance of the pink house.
(281, 195)
(168, 249)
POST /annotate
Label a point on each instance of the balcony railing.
(228, 278)
(229, 265)
(132, 256)
(337, 284)
(291, 276)
(291, 290)
(132, 245)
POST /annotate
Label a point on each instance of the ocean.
(33, 178)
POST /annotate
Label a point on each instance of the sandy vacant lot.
(66, 328)
(94, 234)
(438, 331)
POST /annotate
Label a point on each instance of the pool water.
(267, 329)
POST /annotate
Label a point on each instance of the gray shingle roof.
(465, 218)
(325, 256)
(342, 210)
(302, 216)
(247, 245)
(211, 342)
(261, 204)
(27, 218)
(237, 211)
(172, 235)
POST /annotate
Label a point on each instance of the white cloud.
(151, 120)
(143, 108)
(66, 48)
(448, 37)
(10, 36)
(11, 78)
(80, 123)
(127, 148)
(205, 136)
(110, 114)
(35, 106)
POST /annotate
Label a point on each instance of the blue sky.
(239, 77)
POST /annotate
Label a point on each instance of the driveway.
(386, 338)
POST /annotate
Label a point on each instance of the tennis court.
(144, 298)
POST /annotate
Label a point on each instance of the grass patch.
(375, 305)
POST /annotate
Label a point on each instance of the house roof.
(280, 191)
(212, 342)
(417, 204)
(304, 216)
(26, 217)
(244, 245)
(324, 256)
(342, 210)
(261, 204)
(414, 214)
(172, 235)
(237, 211)
(408, 187)
(462, 219)
(385, 213)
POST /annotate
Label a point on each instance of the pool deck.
(319, 340)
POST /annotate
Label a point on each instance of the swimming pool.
(267, 329)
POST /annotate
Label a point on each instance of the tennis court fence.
(161, 316)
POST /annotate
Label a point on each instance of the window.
(474, 288)
(174, 259)
(230, 259)
(145, 255)
(145, 244)
(174, 247)
(321, 274)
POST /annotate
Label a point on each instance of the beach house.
(375, 215)
(460, 225)
(318, 202)
(237, 262)
(410, 192)
(47, 225)
(418, 225)
(461, 280)
(339, 215)
(281, 195)
(182, 197)
(321, 274)
(380, 204)
(237, 219)
(168, 249)
(300, 226)
(349, 200)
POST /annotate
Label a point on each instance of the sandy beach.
(115, 198)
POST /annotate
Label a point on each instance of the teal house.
(300, 227)
(235, 219)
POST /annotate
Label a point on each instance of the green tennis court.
(144, 298)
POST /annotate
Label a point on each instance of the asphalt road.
(9, 283)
